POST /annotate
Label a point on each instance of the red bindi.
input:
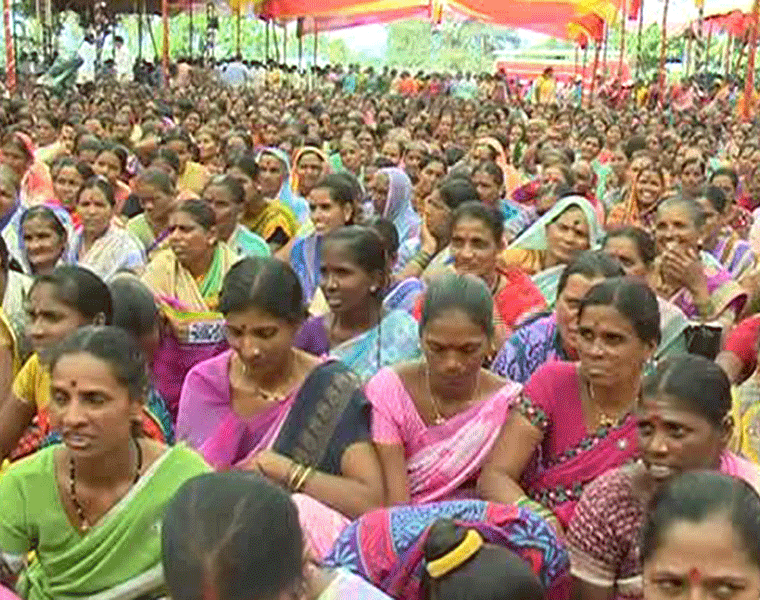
(694, 576)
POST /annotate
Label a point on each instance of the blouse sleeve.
(537, 401)
(24, 384)
(15, 536)
(382, 395)
(604, 523)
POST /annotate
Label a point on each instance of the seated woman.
(574, 420)
(401, 560)
(686, 276)
(35, 184)
(310, 165)
(10, 210)
(69, 174)
(355, 330)
(331, 202)
(88, 508)
(274, 178)
(225, 195)
(640, 204)
(210, 149)
(700, 536)
(434, 420)
(477, 234)
(720, 239)
(157, 196)
(543, 250)
(404, 293)
(186, 279)
(101, 246)
(488, 179)
(269, 407)
(272, 220)
(554, 336)
(44, 237)
(434, 251)
(192, 176)
(392, 192)
(684, 423)
(240, 507)
(111, 164)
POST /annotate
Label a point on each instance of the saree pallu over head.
(628, 212)
(449, 456)
(306, 258)
(386, 547)
(559, 482)
(195, 328)
(398, 205)
(294, 181)
(287, 195)
(313, 426)
(120, 556)
(63, 217)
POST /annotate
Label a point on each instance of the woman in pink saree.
(265, 406)
(435, 420)
(574, 421)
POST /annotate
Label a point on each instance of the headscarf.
(398, 205)
(298, 205)
(8, 216)
(629, 212)
(307, 150)
(534, 238)
(501, 155)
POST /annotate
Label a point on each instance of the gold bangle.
(302, 481)
(295, 472)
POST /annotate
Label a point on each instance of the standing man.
(123, 61)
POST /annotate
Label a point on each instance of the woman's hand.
(428, 243)
(270, 464)
(684, 267)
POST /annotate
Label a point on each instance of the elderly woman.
(686, 276)
(543, 250)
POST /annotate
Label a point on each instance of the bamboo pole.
(699, 62)
(575, 61)
(190, 29)
(285, 43)
(299, 32)
(316, 42)
(749, 82)
(727, 60)
(707, 49)
(663, 51)
(238, 12)
(266, 40)
(604, 54)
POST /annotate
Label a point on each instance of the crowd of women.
(286, 344)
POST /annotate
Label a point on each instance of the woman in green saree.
(91, 507)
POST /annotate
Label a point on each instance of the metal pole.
(749, 83)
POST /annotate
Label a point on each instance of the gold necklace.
(438, 418)
(604, 421)
(260, 392)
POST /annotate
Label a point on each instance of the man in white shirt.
(123, 61)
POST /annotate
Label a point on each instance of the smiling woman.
(578, 413)
(684, 423)
(44, 237)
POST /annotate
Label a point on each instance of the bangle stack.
(298, 476)
(537, 508)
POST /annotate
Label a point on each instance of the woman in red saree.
(574, 421)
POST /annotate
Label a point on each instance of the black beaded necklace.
(83, 524)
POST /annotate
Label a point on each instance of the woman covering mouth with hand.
(684, 423)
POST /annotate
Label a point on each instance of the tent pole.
(316, 42)
(593, 75)
(165, 59)
(285, 43)
(585, 57)
(237, 32)
(299, 32)
(622, 39)
(604, 54)
(729, 43)
(749, 80)
(10, 54)
(663, 49)
(266, 40)
(700, 53)
(190, 31)
(638, 41)
(707, 49)
(139, 31)
(575, 61)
